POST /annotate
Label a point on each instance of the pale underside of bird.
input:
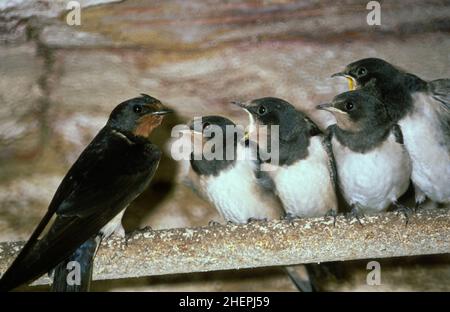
(373, 180)
(236, 191)
(429, 153)
(305, 187)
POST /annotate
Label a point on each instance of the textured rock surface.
(58, 83)
(43, 8)
(21, 122)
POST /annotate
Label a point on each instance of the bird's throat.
(146, 125)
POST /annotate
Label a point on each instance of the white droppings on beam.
(279, 242)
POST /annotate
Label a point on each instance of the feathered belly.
(237, 196)
(375, 179)
(429, 156)
(305, 188)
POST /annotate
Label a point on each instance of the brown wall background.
(58, 84)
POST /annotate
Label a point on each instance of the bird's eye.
(206, 125)
(137, 109)
(361, 72)
(349, 106)
(262, 110)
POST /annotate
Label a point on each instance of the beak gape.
(350, 80)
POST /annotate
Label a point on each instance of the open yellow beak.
(246, 135)
(350, 80)
(351, 83)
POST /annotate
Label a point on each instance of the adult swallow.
(108, 175)
(304, 177)
(372, 163)
(230, 182)
(422, 110)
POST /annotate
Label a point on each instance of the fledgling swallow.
(236, 187)
(304, 178)
(231, 184)
(422, 110)
(372, 163)
(108, 175)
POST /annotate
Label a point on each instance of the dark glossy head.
(357, 110)
(208, 127)
(271, 111)
(207, 124)
(215, 140)
(295, 128)
(361, 72)
(139, 115)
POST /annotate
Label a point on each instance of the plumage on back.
(440, 89)
(428, 147)
(86, 200)
(110, 173)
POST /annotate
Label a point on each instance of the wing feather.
(108, 175)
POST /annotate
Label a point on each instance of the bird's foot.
(404, 210)
(250, 220)
(417, 207)
(290, 217)
(139, 232)
(355, 213)
(333, 214)
(213, 223)
(144, 229)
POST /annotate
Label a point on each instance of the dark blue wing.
(107, 176)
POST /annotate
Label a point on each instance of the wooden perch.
(260, 244)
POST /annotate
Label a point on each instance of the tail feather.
(301, 276)
(75, 273)
(64, 237)
(8, 279)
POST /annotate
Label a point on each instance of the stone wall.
(58, 83)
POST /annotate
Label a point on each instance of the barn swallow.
(237, 187)
(230, 183)
(109, 174)
(305, 177)
(372, 163)
(422, 110)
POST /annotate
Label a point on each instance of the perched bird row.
(391, 127)
(394, 127)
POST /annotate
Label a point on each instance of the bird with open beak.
(304, 177)
(89, 203)
(422, 110)
(372, 163)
